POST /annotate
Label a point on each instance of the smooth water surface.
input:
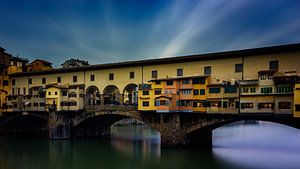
(241, 145)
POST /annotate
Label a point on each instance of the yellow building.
(8, 65)
(297, 100)
(116, 83)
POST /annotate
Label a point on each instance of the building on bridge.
(8, 65)
(177, 94)
(259, 80)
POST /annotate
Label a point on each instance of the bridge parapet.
(111, 108)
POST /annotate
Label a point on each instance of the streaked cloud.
(111, 31)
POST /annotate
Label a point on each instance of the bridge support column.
(172, 132)
(59, 128)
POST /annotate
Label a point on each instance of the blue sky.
(103, 31)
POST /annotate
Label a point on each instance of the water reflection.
(139, 140)
(258, 145)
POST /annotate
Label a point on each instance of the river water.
(241, 145)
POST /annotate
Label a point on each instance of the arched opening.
(122, 134)
(112, 95)
(201, 135)
(130, 94)
(93, 96)
(24, 125)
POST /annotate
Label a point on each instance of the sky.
(105, 31)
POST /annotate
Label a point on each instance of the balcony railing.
(248, 82)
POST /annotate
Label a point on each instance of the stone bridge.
(175, 128)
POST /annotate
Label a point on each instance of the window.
(284, 89)
(266, 90)
(43, 80)
(207, 70)
(58, 79)
(24, 91)
(274, 64)
(164, 102)
(231, 104)
(13, 82)
(186, 81)
(64, 103)
(196, 92)
(186, 91)
(5, 82)
(214, 90)
(161, 103)
(245, 90)
(131, 75)
(42, 104)
(238, 67)
(246, 105)
(157, 91)
(13, 91)
(179, 72)
(202, 91)
(199, 81)
(157, 82)
(74, 79)
(263, 76)
(169, 83)
(198, 103)
(92, 78)
(215, 104)
(297, 107)
(225, 104)
(230, 89)
(64, 92)
(35, 104)
(145, 103)
(73, 103)
(29, 81)
(18, 91)
(111, 76)
(266, 105)
(253, 90)
(154, 74)
(146, 92)
(55, 93)
(185, 103)
(284, 105)
(5, 72)
(49, 93)
(270, 76)
(72, 94)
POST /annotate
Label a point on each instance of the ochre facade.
(247, 81)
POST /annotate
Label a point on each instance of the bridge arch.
(24, 122)
(130, 95)
(95, 124)
(93, 96)
(112, 95)
(201, 133)
(214, 124)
